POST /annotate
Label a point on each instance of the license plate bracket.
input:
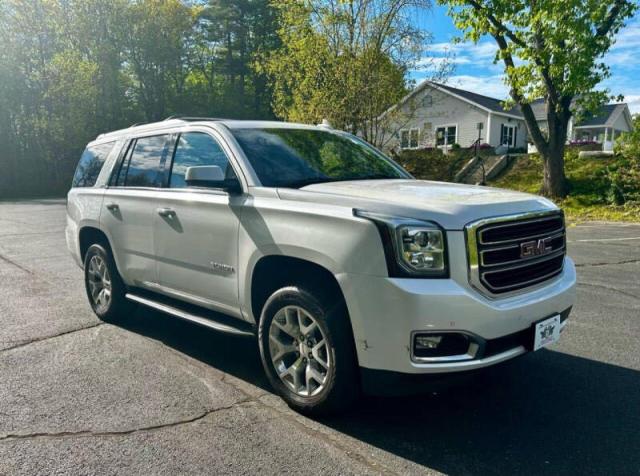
(546, 332)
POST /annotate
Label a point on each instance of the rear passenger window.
(143, 168)
(196, 149)
(91, 164)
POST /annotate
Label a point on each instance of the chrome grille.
(511, 253)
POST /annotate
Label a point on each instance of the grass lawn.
(590, 189)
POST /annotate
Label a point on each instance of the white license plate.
(546, 332)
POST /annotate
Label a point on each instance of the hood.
(450, 205)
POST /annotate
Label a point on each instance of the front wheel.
(307, 351)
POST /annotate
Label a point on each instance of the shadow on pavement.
(545, 413)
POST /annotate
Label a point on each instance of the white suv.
(349, 273)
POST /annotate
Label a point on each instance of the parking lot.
(156, 395)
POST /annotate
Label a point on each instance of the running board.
(187, 316)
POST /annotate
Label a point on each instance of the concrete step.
(474, 173)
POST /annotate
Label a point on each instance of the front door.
(196, 230)
(508, 136)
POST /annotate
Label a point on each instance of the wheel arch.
(272, 272)
(89, 235)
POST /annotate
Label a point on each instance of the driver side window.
(197, 149)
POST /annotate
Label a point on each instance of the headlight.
(421, 248)
(413, 248)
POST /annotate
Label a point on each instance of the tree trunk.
(554, 182)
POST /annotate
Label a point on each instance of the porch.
(602, 135)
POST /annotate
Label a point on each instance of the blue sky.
(475, 71)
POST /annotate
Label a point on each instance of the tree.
(158, 35)
(230, 35)
(345, 61)
(553, 50)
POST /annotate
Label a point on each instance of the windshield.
(297, 157)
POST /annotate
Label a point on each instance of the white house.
(438, 115)
(603, 127)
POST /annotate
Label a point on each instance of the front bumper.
(385, 311)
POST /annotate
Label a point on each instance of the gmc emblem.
(535, 248)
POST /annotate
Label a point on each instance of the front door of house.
(508, 136)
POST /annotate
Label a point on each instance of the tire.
(105, 289)
(326, 349)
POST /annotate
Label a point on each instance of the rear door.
(196, 229)
(129, 208)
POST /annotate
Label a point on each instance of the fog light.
(427, 345)
(427, 342)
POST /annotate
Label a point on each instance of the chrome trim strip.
(471, 353)
(188, 317)
(524, 283)
(521, 260)
(472, 364)
(524, 262)
(518, 222)
(192, 299)
(473, 254)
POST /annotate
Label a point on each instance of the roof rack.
(176, 116)
(193, 118)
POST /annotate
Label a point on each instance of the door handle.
(112, 206)
(166, 212)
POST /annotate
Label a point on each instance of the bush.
(427, 164)
(624, 177)
(432, 164)
(585, 144)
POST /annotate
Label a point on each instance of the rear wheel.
(307, 351)
(105, 289)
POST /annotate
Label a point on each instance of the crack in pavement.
(11, 262)
(608, 288)
(288, 415)
(331, 440)
(92, 433)
(32, 233)
(587, 265)
(44, 338)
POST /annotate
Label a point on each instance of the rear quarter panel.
(83, 209)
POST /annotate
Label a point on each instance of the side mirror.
(211, 176)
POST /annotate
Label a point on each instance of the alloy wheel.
(99, 281)
(299, 351)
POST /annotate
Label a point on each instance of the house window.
(409, 138)
(508, 135)
(427, 101)
(446, 135)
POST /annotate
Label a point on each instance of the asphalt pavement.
(156, 395)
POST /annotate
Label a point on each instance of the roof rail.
(193, 118)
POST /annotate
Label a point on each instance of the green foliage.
(341, 61)
(552, 50)
(433, 164)
(71, 69)
(624, 177)
(591, 196)
(559, 44)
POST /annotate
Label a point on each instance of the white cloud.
(628, 37)
(492, 86)
(467, 53)
(624, 52)
(476, 72)
(634, 103)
